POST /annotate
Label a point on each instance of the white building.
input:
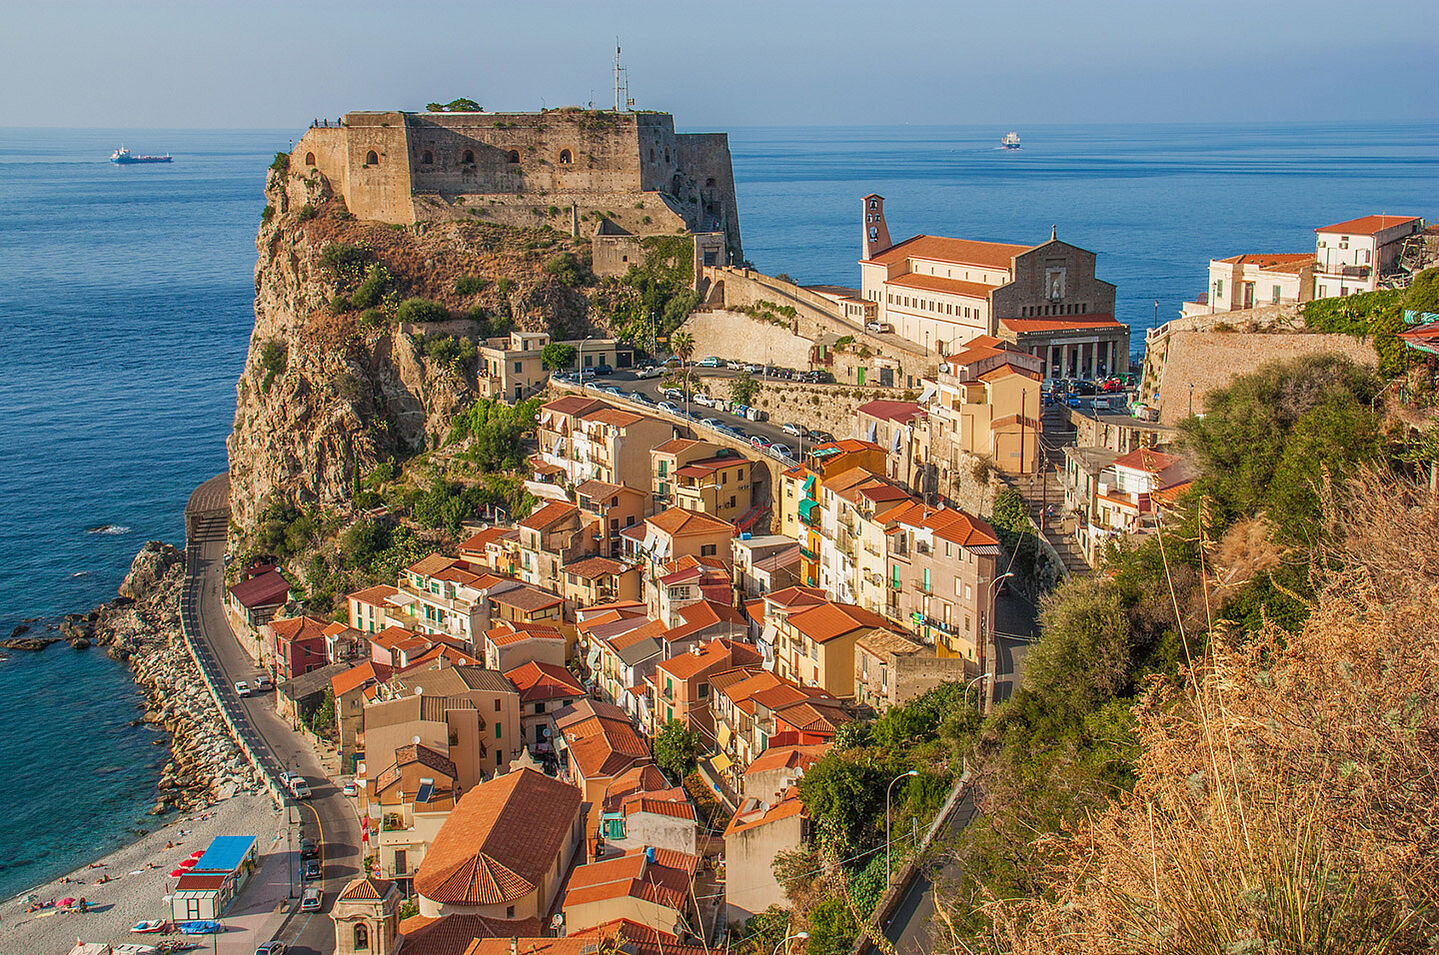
(1249, 281)
(1352, 256)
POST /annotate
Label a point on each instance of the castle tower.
(367, 918)
(876, 232)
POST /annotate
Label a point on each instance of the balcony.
(394, 822)
(1343, 271)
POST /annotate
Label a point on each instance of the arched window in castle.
(309, 159)
(514, 156)
(667, 155)
(710, 182)
(565, 157)
(371, 159)
(362, 937)
(468, 158)
(427, 157)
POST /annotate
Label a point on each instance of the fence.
(199, 528)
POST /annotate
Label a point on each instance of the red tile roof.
(459, 933)
(376, 595)
(665, 881)
(900, 411)
(1146, 459)
(830, 620)
(679, 522)
(572, 405)
(1367, 225)
(786, 757)
(503, 836)
(1059, 323)
(752, 814)
(366, 888)
(544, 681)
(1274, 261)
(934, 283)
(296, 629)
(527, 598)
(548, 514)
(604, 745)
(363, 675)
(269, 589)
(990, 255)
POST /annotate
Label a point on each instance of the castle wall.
(706, 158)
(378, 190)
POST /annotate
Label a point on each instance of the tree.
(557, 355)
(742, 388)
(462, 104)
(683, 346)
(419, 311)
(677, 749)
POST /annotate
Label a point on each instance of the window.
(565, 157)
(518, 367)
(509, 911)
(513, 156)
(707, 550)
(427, 157)
(309, 159)
(468, 158)
(664, 468)
(362, 937)
(499, 727)
(371, 159)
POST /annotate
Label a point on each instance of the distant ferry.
(123, 157)
(1010, 140)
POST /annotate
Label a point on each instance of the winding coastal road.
(329, 818)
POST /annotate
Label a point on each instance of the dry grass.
(1288, 799)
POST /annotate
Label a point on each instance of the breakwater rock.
(142, 628)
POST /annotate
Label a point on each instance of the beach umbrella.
(176, 873)
(197, 853)
(189, 864)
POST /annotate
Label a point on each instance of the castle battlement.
(633, 167)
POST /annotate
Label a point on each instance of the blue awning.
(806, 507)
(809, 486)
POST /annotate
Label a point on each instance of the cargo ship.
(123, 157)
(1010, 140)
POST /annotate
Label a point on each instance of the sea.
(126, 298)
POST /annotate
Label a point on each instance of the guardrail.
(236, 722)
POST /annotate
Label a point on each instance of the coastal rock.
(149, 568)
(80, 643)
(22, 628)
(27, 643)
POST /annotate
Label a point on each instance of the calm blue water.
(126, 293)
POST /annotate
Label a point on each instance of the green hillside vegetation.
(1255, 528)
(1378, 316)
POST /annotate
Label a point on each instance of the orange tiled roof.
(676, 445)
(544, 681)
(604, 745)
(430, 564)
(376, 595)
(754, 817)
(507, 633)
(1146, 459)
(548, 514)
(1059, 323)
(679, 522)
(787, 757)
(1273, 261)
(572, 405)
(1367, 225)
(356, 677)
(500, 840)
(298, 628)
(616, 417)
(366, 888)
(829, 620)
(934, 283)
(989, 255)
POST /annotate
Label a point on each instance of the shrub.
(503, 286)
(345, 261)
(470, 284)
(272, 362)
(557, 355)
(565, 269)
(458, 354)
(267, 213)
(372, 319)
(306, 213)
(281, 163)
(372, 287)
(420, 311)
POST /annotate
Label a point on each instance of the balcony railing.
(1343, 271)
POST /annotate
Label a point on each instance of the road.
(329, 817)
(649, 390)
(908, 927)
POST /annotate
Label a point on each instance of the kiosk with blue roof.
(206, 890)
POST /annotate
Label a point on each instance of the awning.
(806, 507)
(721, 763)
(809, 486)
(724, 735)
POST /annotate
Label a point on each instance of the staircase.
(1045, 490)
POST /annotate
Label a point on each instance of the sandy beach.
(138, 879)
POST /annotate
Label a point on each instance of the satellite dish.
(418, 691)
(415, 740)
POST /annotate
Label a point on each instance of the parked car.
(711, 423)
(703, 399)
(879, 328)
(673, 394)
(299, 788)
(821, 377)
(308, 849)
(349, 788)
(798, 430)
(821, 437)
(285, 778)
(242, 688)
(780, 451)
(272, 948)
(310, 899)
(309, 870)
(650, 371)
(666, 407)
(754, 369)
(264, 684)
(710, 361)
(640, 397)
(759, 442)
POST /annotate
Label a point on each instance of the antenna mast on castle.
(622, 82)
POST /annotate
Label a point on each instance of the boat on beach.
(123, 157)
(150, 925)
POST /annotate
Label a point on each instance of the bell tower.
(366, 917)
(876, 232)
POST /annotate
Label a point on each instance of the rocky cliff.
(330, 389)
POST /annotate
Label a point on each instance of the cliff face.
(327, 393)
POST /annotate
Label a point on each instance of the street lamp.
(993, 597)
(789, 938)
(580, 360)
(888, 847)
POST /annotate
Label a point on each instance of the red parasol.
(176, 873)
(197, 853)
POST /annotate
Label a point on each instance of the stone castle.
(618, 176)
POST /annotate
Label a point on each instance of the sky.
(262, 64)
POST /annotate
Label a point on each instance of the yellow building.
(986, 404)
